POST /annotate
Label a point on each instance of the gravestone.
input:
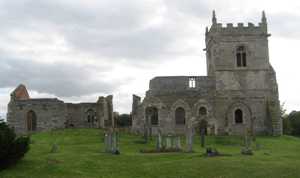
(54, 148)
(108, 142)
(177, 143)
(168, 140)
(203, 128)
(159, 141)
(111, 139)
(189, 139)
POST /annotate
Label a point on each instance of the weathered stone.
(240, 85)
(41, 114)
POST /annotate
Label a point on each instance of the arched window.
(238, 116)
(241, 57)
(31, 121)
(180, 116)
(152, 114)
(202, 111)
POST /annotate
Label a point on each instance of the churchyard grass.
(80, 154)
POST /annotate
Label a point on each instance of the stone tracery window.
(241, 56)
(180, 116)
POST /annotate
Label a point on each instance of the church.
(239, 93)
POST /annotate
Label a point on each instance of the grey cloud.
(113, 29)
(60, 79)
(284, 24)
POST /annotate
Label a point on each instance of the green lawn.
(81, 155)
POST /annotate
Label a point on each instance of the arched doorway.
(91, 117)
(180, 116)
(31, 121)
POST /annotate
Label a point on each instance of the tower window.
(241, 57)
(192, 82)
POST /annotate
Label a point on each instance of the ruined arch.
(177, 113)
(31, 121)
(160, 108)
(91, 117)
(152, 114)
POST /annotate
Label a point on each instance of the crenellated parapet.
(230, 29)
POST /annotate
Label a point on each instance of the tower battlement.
(239, 28)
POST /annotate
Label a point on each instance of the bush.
(12, 148)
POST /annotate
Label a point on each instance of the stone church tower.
(238, 94)
(238, 58)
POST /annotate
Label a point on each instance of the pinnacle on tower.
(214, 19)
(263, 18)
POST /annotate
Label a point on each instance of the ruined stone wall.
(50, 114)
(77, 115)
(53, 113)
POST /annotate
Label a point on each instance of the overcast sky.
(77, 50)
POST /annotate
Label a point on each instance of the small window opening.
(238, 116)
(192, 82)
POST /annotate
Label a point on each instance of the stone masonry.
(239, 93)
(27, 114)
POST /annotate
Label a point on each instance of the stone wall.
(250, 89)
(27, 115)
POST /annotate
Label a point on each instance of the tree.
(124, 120)
(293, 121)
(285, 120)
(12, 148)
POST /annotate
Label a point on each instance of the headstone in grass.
(168, 141)
(108, 142)
(111, 140)
(203, 129)
(159, 140)
(247, 150)
(177, 143)
(189, 139)
(115, 143)
(54, 148)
